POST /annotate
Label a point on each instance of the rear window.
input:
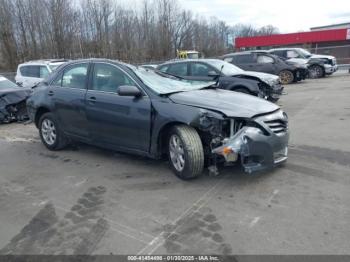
(30, 71)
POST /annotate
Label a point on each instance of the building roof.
(292, 38)
(342, 25)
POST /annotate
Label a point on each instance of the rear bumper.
(257, 150)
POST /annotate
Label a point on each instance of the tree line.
(151, 31)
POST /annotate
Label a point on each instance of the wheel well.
(39, 113)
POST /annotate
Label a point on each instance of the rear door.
(245, 61)
(68, 92)
(117, 121)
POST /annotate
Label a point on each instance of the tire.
(185, 152)
(50, 133)
(286, 76)
(316, 71)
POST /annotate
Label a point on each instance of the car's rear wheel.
(50, 133)
(185, 150)
(286, 76)
(316, 71)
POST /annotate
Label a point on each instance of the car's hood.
(231, 104)
(258, 75)
(322, 56)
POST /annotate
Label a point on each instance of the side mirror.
(213, 74)
(129, 91)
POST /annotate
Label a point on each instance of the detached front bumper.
(258, 149)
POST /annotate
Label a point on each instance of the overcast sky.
(288, 16)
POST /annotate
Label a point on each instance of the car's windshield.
(6, 84)
(166, 85)
(304, 53)
(225, 68)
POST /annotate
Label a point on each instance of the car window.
(199, 69)
(263, 59)
(280, 53)
(228, 59)
(30, 71)
(75, 76)
(292, 54)
(108, 78)
(179, 69)
(44, 72)
(243, 59)
(164, 68)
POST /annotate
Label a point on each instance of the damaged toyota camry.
(132, 109)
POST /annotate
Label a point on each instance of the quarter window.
(108, 78)
(75, 76)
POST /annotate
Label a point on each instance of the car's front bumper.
(330, 69)
(257, 151)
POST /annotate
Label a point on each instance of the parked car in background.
(31, 73)
(318, 65)
(228, 76)
(12, 101)
(260, 61)
(146, 112)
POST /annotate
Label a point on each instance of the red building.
(326, 41)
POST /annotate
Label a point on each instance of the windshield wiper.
(168, 74)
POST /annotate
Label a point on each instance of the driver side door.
(120, 122)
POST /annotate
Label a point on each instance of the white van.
(31, 73)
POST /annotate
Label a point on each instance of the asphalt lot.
(85, 200)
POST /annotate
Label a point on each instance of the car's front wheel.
(316, 71)
(185, 150)
(50, 133)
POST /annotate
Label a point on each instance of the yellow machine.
(187, 54)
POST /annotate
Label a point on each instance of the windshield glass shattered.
(227, 68)
(162, 84)
(6, 84)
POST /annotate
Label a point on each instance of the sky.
(288, 16)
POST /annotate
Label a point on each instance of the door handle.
(92, 99)
(51, 93)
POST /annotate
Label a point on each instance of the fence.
(342, 53)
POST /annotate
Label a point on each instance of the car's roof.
(191, 60)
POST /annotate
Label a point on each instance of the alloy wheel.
(177, 154)
(48, 131)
